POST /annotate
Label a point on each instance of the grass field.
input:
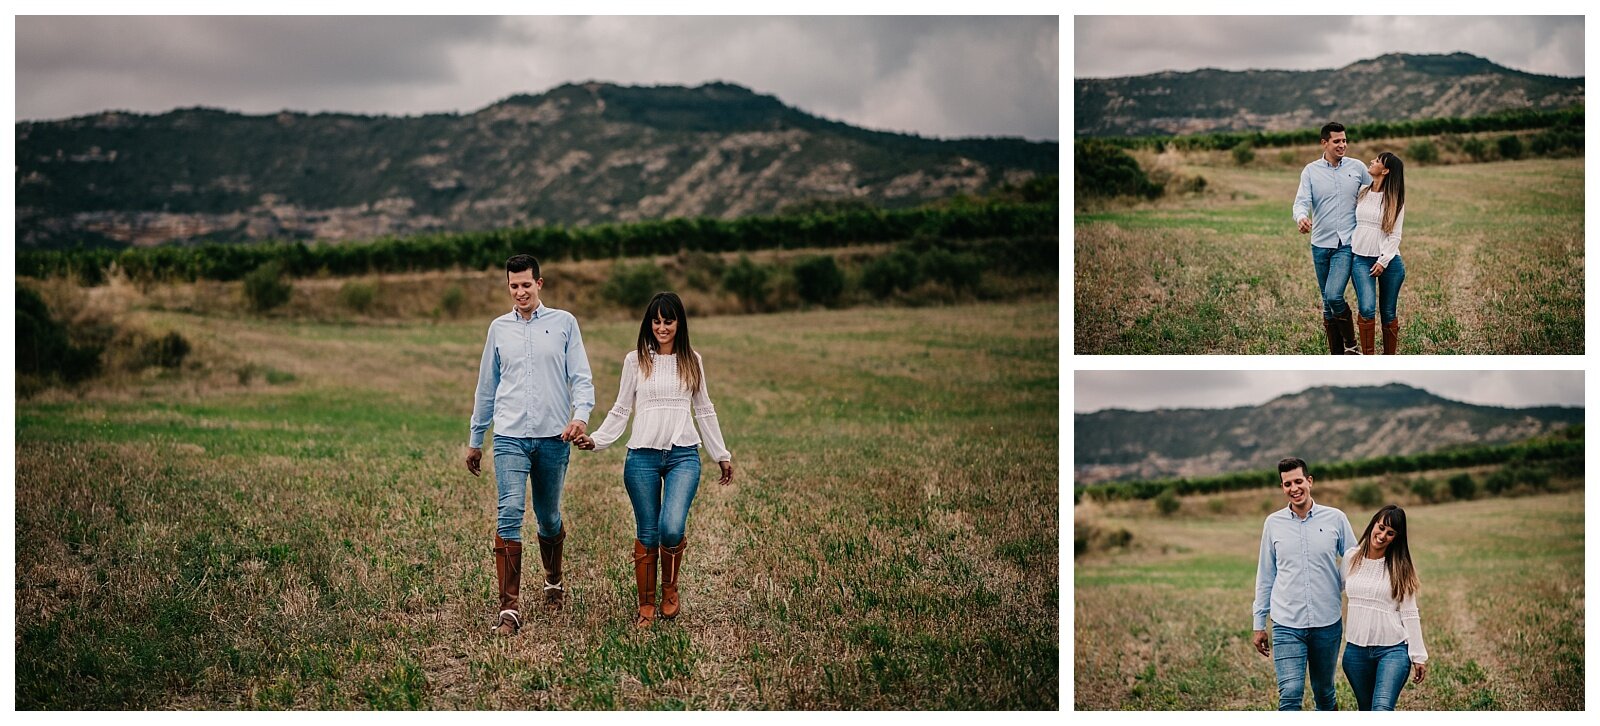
(1493, 253)
(308, 537)
(1165, 623)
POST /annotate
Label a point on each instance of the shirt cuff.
(582, 414)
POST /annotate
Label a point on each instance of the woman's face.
(1382, 535)
(1376, 168)
(665, 331)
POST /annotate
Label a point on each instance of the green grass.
(1493, 252)
(1165, 624)
(889, 541)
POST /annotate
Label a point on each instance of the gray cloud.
(1149, 390)
(1107, 46)
(937, 76)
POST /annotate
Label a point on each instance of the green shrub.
(959, 271)
(1499, 481)
(1476, 149)
(167, 351)
(1216, 505)
(358, 296)
(1286, 157)
(1537, 477)
(1510, 147)
(1462, 486)
(453, 300)
(1425, 489)
(1102, 170)
(897, 270)
(632, 286)
(1366, 495)
(818, 279)
(1244, 153)
(44, 347)
(747, 281)
(1422, 151)
(1167, 502)
(265, 288)
(701, 270)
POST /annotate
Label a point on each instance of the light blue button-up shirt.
(1298, 575)
(534, 377)
(1328, 196)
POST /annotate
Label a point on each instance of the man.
(1325, 208)
(534, 384)
(1298, 581)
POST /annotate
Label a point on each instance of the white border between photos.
(1071, 363)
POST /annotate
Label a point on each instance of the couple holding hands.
(535, 386)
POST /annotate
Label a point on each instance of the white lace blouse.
(666, 411)
(1374, 618)
(1370, 240)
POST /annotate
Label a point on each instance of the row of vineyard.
(1567, 120)
(480, 250)
(1565, 451)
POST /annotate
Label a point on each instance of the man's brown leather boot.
(508, 574)
(550, 555)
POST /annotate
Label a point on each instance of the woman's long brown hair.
(1403, 580)
(668, 307)
(1394, 190)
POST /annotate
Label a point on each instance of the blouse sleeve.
(617, 420)
(1391, 244)
(706, 416)
(1411, 619)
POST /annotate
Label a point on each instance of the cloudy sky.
(1149, 390)
(943, 77)
(1109, 46)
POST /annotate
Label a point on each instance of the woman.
(1380, 214)
(663, 379)
(1383, 630)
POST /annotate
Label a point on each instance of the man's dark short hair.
(518, 263)
(1290, 464)
(1328, 129)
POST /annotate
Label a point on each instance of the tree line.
(1518, 120)
(480, 250)
(1567, 445)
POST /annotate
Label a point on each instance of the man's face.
(1296, 487)
(1335, 145)
(524, 290)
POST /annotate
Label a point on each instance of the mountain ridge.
(1323, 423)
(576, 154)
(1390, 87)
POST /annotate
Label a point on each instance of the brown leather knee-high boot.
(671, 559)
(550, 555)
(1347, 331)
(1368, 327)
(508, 574)
(644, 576)
(1391, 337)
(1330, 328)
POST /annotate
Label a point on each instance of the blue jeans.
(661, 484)
(542, 463)
(1387, 293)
(1333, 271)
(1376, 674)
(1295, 648)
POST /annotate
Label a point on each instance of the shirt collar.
(1325, 162)
(1290, 511)
(536, 311)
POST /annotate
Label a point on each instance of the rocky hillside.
(1393, 87)
(1319, 424)
(578, 154)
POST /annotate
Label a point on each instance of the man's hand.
(727, 472)
(1305, 225)
(1259, 640)
(573, 430)
(474, 460)
(1419, 672)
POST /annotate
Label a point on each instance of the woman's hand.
(583, 442)
(1419, 672)
(1377, 270)
(727, 472)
